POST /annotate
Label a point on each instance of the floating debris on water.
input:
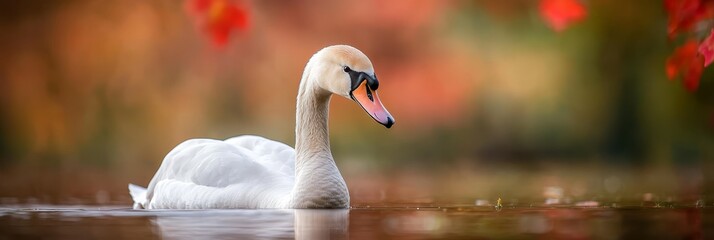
(700, 203)
(499, 205)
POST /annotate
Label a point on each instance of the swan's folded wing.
(274, 155)
(238, 170)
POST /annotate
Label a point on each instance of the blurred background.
(491, 98)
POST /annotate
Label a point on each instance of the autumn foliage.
(560, 14)
(685, 14)
(219, 18)
(688, 63)
(706, 49)
(690, 59)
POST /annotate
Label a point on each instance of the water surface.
(359, 222)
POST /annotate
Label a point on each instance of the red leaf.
(559, 14)
(694, 73)
(684, 14)
(219, 18)
(706, 49)
(688, 63)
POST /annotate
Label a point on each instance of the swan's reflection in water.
(321, 224)
(251, 224)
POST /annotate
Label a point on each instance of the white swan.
(254, 172)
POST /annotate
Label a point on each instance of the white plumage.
(254, 172)
(241, 172)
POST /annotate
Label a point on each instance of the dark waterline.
(360, 222)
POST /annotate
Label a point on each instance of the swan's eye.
(347, 69)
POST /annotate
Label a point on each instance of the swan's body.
(254, 172)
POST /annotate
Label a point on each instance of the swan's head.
(346, 71)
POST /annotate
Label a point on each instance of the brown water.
(360, 222)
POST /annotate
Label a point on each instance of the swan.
(255, 172)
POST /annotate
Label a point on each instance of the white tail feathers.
(138, 194)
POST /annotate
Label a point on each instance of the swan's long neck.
(318, 182)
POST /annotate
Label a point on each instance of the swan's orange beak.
(369, 100)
